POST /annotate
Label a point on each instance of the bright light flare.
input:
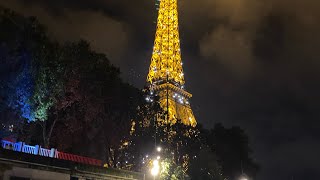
(156, 168)
(243, 178)
(154, 171)
(159, 149)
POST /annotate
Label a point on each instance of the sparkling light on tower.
(166, 77)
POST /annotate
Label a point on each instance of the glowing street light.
(156, 168)
(154, 172)
(159, 148)
(155, 163)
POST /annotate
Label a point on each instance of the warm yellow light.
(166, 57)
(155, 163)
(154, 171)
(159, 149)
(166, 74)
(156, 168)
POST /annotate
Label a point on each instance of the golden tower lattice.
(166, 77)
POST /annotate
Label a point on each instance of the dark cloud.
(253, 63)
(231, 48)
(94, 21)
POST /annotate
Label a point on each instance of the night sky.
(252, 63)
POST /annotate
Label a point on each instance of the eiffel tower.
(166, 77)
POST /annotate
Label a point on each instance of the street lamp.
(159, 148)
(155, 168)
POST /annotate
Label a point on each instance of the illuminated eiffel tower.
(166, 78)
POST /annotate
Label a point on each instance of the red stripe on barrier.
(79, 159)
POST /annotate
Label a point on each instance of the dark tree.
(20, 40)
(96, 109)
(205, 166)
(232, 148)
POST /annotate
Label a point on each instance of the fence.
(52, 153)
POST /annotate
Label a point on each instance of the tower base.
(175, 101)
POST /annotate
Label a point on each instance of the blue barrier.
(22, 147)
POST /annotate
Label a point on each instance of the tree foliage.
(19, 40)
(62, 88)
(97, 105)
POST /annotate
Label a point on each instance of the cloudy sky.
(253, 63)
